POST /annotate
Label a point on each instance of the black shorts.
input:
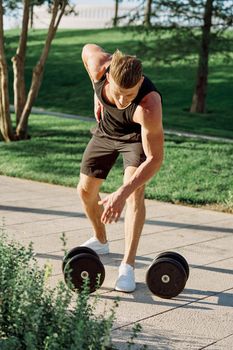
(102, 152)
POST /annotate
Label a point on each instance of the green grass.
(194, 172)
(66, 86)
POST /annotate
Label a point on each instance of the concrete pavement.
(201, 317)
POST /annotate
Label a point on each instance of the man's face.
(122, 97)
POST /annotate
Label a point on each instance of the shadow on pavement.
(150, 222)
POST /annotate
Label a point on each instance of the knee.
(88, 188)
(83, 192)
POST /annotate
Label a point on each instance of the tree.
(199, 97)
(5, 118)
(147, 13)
(211, 18)
(115, 19)
(23, 101)
(34, 3)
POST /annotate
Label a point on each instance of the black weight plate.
(178, 257)
(166, 278)
(81, 266)
(75, 251)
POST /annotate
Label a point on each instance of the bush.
(35, 317)
(32, 316)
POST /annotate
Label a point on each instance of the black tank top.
(117, 123)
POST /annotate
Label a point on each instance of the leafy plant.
(34, 316)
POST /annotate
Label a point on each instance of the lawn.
(66, 86)
(194, 172)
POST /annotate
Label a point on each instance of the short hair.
(125, 70)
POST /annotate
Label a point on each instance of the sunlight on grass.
(194, 172)
(66, 86)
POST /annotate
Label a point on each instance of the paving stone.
(200, 317)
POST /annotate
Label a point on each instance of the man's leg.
(134, 219)
(98, 159)
(88, 190)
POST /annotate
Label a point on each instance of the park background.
(196, 171)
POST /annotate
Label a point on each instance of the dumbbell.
(81, 263)
(167, 275)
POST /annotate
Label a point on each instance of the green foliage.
(67, 88)
(189, 13)
(33, 316)
(135, 331)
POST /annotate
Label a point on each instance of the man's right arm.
(95, 60)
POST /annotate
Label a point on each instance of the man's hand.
(98, 109)
(113, 206)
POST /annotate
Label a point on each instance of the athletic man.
(129, 115)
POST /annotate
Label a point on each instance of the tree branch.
(5, 117)
(39, 68)
(18, 65)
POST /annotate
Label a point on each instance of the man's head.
(125, 78)
(125, 70)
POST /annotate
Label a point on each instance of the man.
(129, 115)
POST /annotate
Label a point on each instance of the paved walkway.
(201, 317)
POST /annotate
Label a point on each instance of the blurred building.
(95, 16)
(86, 17)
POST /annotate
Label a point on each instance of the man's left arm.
(150, 118)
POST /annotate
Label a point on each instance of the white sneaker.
(99, 248)
(126, 279)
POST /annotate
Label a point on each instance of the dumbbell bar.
(167, 275)
(81, 263)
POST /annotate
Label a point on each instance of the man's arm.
(149, 115)
(95, 60)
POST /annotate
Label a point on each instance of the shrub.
(32, 316)
(35, 317)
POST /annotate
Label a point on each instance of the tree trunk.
(5, 117)
(115, 19)
(19, 64)
(147, 13)
(21, 130)
(31, 16)
(199, 97)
